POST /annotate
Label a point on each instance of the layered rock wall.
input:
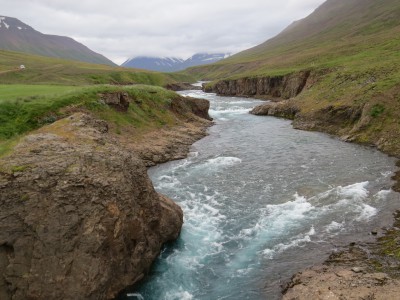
(79, 217)
(284, 87)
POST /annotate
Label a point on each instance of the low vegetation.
(49, 71)
(26, 107)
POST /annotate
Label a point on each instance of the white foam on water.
(357, 191)
(216, 113)
(278, 220)
(366, 212)
(382, 195)
(220, 162)
(334, 227)
(166, 181)
(193, 154)
(386, 174)
(299, 241)
(178, 295)
(136, 295)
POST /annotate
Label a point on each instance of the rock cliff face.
(285, 87)
(284, 109)
(79, 216)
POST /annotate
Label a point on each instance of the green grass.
(21, 113)
(30, 92)
(52, 71)
(356, 34)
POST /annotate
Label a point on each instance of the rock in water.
(79, 217)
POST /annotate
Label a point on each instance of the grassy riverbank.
(46, 70)
(26, 107)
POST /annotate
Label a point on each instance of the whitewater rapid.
(262, 201)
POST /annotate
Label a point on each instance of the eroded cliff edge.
(79, 216)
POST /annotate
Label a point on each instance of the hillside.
(340, 67)
(18, 36)
(172, 64)
(337, 33)
(47, 70)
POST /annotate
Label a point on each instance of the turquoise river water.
(261, 201)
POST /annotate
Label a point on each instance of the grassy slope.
(352, 48)
(45, 70)
(22, 113)
(51, 88)
(338, 34)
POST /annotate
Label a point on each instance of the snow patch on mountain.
(172, 64)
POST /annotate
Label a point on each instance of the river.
(261, 201)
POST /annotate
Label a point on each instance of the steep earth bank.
(181, 86)
(284, 87)
(79, 216)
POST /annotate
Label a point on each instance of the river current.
(262, 201)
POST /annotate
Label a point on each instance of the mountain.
(338, 69)
(18, 36)
(58, 71)
(172, 64)
(161, 64)
(335, 31)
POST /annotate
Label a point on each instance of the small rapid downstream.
(262, 201)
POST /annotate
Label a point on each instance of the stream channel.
(262, 201)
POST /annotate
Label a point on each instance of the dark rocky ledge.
(283, 87)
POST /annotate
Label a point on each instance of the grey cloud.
(120, 29)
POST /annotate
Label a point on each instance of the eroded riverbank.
(261, 202)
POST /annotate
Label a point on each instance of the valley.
(279, 179)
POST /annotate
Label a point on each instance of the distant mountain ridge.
(172, 64)
(18, 36)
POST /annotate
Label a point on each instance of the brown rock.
(119, 100)
(181, 86)
(285, 87)
(283, 109)
(79, 217)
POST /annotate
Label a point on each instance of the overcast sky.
(120, 29)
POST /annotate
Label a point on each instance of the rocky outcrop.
(172, 142)
(118, 100)
(283, 109)
(79, 217)
(284, 87)
(340, 120)
(181, 86)
(185, 105)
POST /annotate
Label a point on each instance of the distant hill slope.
(48, 70)
(339, 68)
(172, 64)
(334, 33)
(161, 64)
(18, 36)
